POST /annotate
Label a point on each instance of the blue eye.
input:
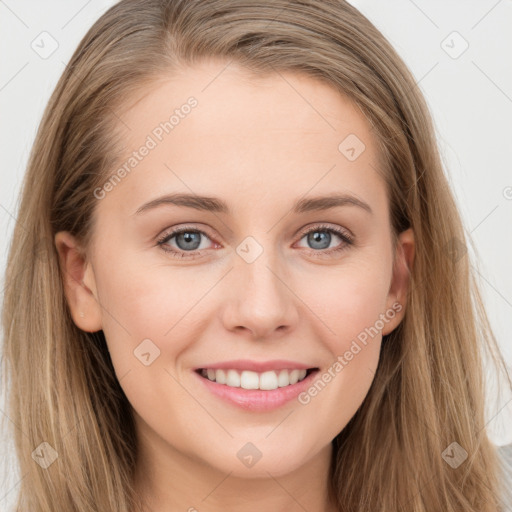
(188, 241)
(320, 237)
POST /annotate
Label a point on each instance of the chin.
(258, 461)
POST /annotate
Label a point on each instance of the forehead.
(284, 132)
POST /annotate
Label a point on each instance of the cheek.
(348, 300)
(159, 301)
(141, 303)
(148, 320)
(350, 304)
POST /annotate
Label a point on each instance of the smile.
(267, 381)
(256, 391)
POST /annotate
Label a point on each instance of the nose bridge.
(262, 301)
(259, 269)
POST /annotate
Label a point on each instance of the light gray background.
(470, 98)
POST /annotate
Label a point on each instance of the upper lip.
(256, 366)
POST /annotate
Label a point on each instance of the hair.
(429, 388)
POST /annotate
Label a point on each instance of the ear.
(79, 283)
(402, 265)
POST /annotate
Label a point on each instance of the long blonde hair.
(428, 391)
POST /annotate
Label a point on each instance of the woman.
(255, 369)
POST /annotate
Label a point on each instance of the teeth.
(252, 380)
(233, 379)
(268, 380)
(220, 376)
(283, 379)
(249, 380)
(294, 376)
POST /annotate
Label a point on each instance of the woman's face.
(245, 287)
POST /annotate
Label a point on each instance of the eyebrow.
(215, 205)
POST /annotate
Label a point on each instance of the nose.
(260, 299)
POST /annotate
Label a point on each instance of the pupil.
(317, 236)
(188, 237)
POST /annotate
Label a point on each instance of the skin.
(259, 145)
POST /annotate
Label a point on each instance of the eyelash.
(180, 254)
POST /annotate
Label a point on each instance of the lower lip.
(256, 399)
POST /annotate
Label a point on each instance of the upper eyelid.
(324, 226)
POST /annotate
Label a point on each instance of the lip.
(257, 400)
(257, 366)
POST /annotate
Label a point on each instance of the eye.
(187, 241)
(320, 237)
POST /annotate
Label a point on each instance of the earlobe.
(402, 266)
(79, 283)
